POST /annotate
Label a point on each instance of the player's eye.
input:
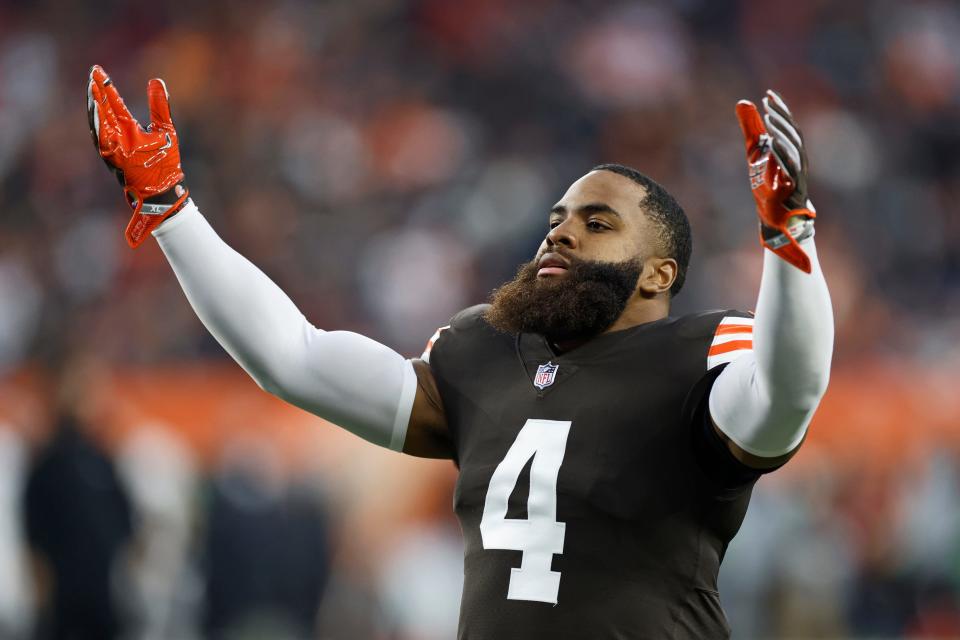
(596, 225)
(554, 224)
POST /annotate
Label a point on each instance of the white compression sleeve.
(343, 377)
(765, 399)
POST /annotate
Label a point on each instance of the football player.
(607, 450)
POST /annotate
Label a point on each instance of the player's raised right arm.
(344, 377)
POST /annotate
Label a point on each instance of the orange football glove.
(145, 161)
(777, 166)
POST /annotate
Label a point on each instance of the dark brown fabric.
(646, 522)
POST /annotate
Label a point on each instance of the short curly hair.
(675, 235)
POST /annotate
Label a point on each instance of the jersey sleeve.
(732, 338)
(722, 337)
(459, 324)
(425, 356)
(726, 474)
(466, 357)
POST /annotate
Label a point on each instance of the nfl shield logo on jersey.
(546, 374)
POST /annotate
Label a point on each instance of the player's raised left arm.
(346, 378)
(762, 403)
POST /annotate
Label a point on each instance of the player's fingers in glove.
(782, 126)
(774, 104)
(787, 157)
(778, 129)
(787, 141)
(109, 89)
(125, 121)
(103, 121)
(776, 178)
(778, 104)
(788, 146)
(752, 126)
(158, 98)
(93, 113)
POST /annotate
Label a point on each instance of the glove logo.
(756, 172)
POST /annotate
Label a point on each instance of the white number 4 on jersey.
(540, 536)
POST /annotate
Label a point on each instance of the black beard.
(580, 305)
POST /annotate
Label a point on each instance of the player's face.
(597, 255)
(598, 219)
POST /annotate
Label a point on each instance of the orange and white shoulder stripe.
(425, 356)
(732, 339)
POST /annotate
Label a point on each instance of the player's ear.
(657, 276)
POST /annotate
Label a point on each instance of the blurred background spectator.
(266, 548)
(77, 516)
(389, 162)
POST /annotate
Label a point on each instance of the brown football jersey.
(595, 498)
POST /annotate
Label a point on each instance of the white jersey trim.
(717, 354)
(408, 392)
(425, 356)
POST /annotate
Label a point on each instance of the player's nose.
(562, 234)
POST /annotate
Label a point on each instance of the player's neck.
(639, 311)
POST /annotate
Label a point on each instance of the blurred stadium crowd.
(388, 163)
